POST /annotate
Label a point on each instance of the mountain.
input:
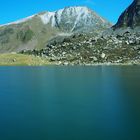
(118, 44)
(130, 17)
(35, 31)
(75, 19)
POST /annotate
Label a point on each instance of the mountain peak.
(56, 16)
(73, 18)
(69, 19)
(77, 9)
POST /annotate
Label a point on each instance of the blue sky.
(11, 10)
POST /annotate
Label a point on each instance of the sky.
(12, 10)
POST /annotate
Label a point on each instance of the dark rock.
(130, 17)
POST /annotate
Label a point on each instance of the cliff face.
(130, 17)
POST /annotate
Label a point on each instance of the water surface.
(70, 103)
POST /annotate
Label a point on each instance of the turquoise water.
(70, 103)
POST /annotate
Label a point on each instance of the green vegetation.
(21, 59)
(5, 35)
(25, 35)
(30, 34)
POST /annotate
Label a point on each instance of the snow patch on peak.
(48, 17)
(81, 14)
(69, 18)
(77, 10)
(59, 14)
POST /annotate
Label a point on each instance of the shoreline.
(11, 59)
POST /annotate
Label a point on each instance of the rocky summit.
(73, 19)
(35, 31)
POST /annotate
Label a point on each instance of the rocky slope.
(82, 49)
(119, 44)
(35, 31)
(130, 17)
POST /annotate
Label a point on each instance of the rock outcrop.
(130, 17)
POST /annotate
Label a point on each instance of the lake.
(70, 103)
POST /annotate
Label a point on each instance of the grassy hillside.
(32, 34)
(20, 59)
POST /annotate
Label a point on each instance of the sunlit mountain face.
(35, 31)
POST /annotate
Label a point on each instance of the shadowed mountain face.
(35, 31)
(130, 17)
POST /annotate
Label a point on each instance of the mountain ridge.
(42, 15)
(35, 31)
